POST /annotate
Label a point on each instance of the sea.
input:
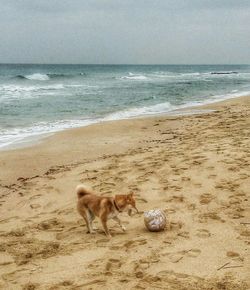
(36, 100)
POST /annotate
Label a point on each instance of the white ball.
(155, 220)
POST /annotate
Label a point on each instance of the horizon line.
(113, 64)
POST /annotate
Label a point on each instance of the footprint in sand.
(193, 253)
(102, 242)
(212, 215)
(113, 264)
(202, 233)
(50, 177)
(210, 167)
(175, 198)
(129, 245)
(235, 256)
(141, 200)
(176, 257)
(6, 259)
(197, 184)
(35, 205)
(48, 187)
(30, 285)
(184, 235)
(206, 198)
(212, 176)
(143, 264)
(35, 196)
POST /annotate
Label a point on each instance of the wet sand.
(195, 168)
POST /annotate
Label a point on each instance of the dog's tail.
(82, 190)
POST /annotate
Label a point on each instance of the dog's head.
(126, 201)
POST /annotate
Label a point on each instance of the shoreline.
(50, 146)
(36, 139)
(187, 109)
(194, 167)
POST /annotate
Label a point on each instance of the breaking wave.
(34, 77)
(223, 72)
(46, 77)
(135, 112)
(132, 76)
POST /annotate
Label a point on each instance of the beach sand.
(195, 168)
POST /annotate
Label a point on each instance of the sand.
(195, 168)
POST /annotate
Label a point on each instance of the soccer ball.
(155, 220)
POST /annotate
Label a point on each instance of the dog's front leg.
(105, 227)
(119, 222)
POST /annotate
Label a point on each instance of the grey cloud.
(118, 31)
(67, 6)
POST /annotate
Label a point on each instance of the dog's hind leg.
(119, 222)
(91, 217)
(84, 213)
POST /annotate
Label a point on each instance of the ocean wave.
(140, 111)
(11, 93)
(37, 77)
(171, 76)
(57, 75)
(132, 76)
(167, 107)
(189, 75)
(17, 88)
(199, 75)
(48, 76)
(19, 136)
(215, 98)
(223, 72)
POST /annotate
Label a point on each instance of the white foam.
(215, 99)
(132, 76)
(20, 135)
(187, 76)
(166, 107)
(135, 112)
(204, 76)
(11, 93)
(16, 88)
(37, 77)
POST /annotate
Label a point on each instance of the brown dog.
(90, 205)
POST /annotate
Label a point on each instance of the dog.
(90, 205)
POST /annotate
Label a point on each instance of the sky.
(125, 31)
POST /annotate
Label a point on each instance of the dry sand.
(195, 168)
